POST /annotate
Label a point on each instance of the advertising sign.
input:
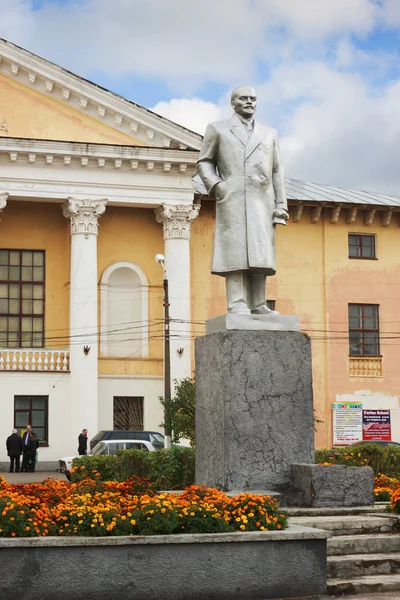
(376, 425)
(347, 423)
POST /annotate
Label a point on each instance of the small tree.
(180, 410)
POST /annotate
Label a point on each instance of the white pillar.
(176, 220)
(3, 200)
(83, 215)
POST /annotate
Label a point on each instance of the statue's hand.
(280, 216)
(281, 213)
(219, 190)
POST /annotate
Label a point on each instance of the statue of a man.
(240, 167)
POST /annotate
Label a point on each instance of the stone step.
(374, 543)
(369, 584)
(335, 511)
(349, 524)
(358, 565)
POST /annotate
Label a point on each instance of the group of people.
(25, 445)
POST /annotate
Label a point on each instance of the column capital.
(84, 215)
(176, 219)
(3, 200)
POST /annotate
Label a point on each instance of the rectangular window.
(364, 330)
(128, 412)
(271, 304)
(22, 281)
(361, 246)
(32, 410)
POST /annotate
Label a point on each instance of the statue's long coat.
(252, 188)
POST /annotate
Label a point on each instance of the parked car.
(154, 437)
(106, 448)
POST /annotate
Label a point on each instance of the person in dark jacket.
(30, 444)
(82, 442)
(33, 452)
(14, 450)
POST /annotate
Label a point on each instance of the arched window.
(124, 311)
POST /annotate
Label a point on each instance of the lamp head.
(160, 259)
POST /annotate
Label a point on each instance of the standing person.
(34, 445)
(82, 442)
(14, 450)
(240, 167)
(26, 448)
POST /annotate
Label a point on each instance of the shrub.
(382, 459)
(165, 469)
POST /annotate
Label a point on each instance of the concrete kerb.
(258, 565)
(293, 532)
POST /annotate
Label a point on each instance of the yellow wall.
(30, 114)
(40, 226)
(132, 234)
(316, 280)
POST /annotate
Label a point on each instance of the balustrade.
(34, 359)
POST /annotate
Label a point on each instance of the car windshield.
(157, 440)
(98, 449)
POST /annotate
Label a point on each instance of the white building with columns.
(92, 187)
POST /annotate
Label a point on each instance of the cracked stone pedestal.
(254, 407)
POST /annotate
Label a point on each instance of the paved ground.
(32, 477)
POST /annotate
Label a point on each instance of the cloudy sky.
(327, 72)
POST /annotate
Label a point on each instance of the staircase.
(364, 550)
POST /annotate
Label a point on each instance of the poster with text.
(376, 425)
(347, 423)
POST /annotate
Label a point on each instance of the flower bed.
(384, 487)
(95, 508)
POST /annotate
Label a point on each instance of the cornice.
(88, 98)
(102, 156)
(332, 212)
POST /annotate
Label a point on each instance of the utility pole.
(167, 364)
(167, 357)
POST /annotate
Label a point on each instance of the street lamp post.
(167, 357)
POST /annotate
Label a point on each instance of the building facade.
(92, 187)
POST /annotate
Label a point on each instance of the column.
(176, 220)
(84, 215)
(3, 200)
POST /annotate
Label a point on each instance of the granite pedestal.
(254, 408)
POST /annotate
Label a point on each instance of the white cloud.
(321, 18)
(390, 13)
(192, 113)
(342, 133)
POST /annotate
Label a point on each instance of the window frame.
(362, 330)
(18, 343)
(360, 246)
(42, 443)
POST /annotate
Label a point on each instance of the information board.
(347, 423)
(376, 425)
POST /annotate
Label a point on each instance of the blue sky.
(327, 72)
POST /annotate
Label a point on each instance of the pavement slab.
(35, 477)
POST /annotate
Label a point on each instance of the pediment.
(133, 123)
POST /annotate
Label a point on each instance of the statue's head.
(244, 101)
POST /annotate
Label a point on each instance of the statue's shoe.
(240, 309)
(264, 310)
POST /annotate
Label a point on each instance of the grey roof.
(315, 192)
(305, 191)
